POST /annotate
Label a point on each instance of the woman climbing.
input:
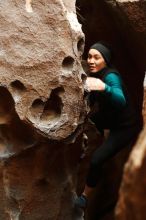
(114, 112)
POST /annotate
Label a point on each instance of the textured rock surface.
(41, 104)
(132, 203)
(40, 183)
(40, 48)
(41, 96)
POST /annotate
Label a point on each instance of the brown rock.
(41, 105)
(39, 183)
(41, 45)
(131, 204)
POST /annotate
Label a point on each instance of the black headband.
(105, 52)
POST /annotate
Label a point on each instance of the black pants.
(117, 140)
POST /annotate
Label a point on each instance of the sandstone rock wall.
(41, 45)
(131, 204)
(41, 105)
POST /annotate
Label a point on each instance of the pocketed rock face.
(40, 47)
(132, 204)
(41, 107)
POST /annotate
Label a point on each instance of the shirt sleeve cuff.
(107, 89)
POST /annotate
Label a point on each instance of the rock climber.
(114, 111)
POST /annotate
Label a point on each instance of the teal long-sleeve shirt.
(112, 107)
(113, 90)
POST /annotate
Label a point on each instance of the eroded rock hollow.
(41, 104)
(42, 107)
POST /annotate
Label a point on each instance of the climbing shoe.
(81, 202)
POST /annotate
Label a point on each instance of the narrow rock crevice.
(114, 22)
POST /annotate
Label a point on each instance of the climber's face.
(95, 61)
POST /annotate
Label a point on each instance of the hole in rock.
(37, 108)
(17, 85)
(18, 89)
(80, 45)
(6, 105)
(67, 63)
(38, 104)
(83, 77)
(53, 107)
